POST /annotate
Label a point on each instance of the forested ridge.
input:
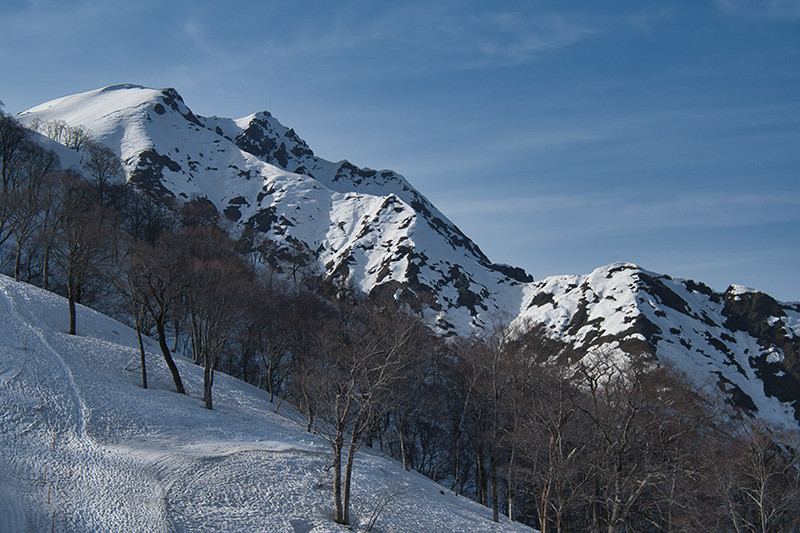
(509, 416)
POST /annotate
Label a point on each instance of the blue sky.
(560, 136)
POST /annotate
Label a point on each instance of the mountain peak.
(122, 87)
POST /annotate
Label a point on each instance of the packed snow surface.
(84, 448)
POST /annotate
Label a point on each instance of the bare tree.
(103, 166)
(538, 427)
(268, 338)
(157, 279)
(646, 422)
(29, 202)
(215, 299)
(142, 218)
(86, 241)
(367, 354)
(13, 139)
(758, 476)
(75, 137)
(50, 199)
(56, 130)
(488, 370)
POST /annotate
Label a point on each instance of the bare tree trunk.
(310, 415)
(510, 491)
(208, 377)
(177, 336)
(348, 476)
(71, 303)
(46, 268)
(17, 261)
(261, 366)
(72, 314)
(457, 475)
(614, 511)
(545, 496)
(480, 482)
(402, 446)
(195, 338)
(270, 387)
(137, 319)
(493, 481)
(162, 342)
(544, 500)
(280, 402)
(339, 514)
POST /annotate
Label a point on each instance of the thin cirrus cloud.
(763, 9)
(622, 212)
(509, 37)
(645, 143)
(418, 38)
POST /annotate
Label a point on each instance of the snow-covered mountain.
(368, 228)
(84, 448)
(373, 230)
(742, 342)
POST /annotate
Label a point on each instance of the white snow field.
(84, 448)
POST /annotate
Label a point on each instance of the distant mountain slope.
(84, 448)
(372, 230)
(743, 342)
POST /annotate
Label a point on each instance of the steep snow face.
(84, 448)
(369, 229)
(742, 342)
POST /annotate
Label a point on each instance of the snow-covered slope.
(84, 448)
(371, 229)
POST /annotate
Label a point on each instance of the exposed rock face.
(777, 362)
(372, 231)
(148, 173)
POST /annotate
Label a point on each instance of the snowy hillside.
(84, 448)
(372, 230)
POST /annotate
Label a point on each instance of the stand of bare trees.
(218, 294)
(368, 350)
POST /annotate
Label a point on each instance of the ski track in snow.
(57, 428)
(83, 448)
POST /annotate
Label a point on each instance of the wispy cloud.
(514, 38)
(613, 213)
(649, 16)
(405, 40)
(765, 9)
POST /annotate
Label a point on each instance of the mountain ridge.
(151, 130)
(372, 230)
